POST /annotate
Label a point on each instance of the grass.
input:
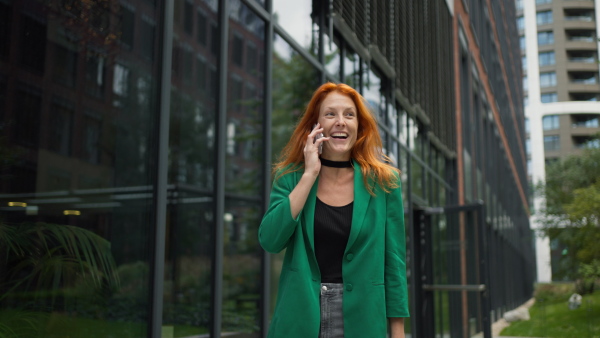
(15, 323)
(551, 317)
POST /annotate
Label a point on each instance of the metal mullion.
(221, 139)
(258, 9)
(162, 153)
(267, 125)
(321, 48)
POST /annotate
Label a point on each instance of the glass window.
(545, 38)
(550, 122)
(32, 41)
(521, 23)
(86, 171)
(351, 74)
(551, 142)
(148, 27)
(526, 125)
(65, 65)
(188, 16)
(524, 63)
(585, 120)
(541, 2)
(191, 218)
(127, 26)
(547, 58)
(519, 5)
(61, 127)
(549, 97)
(547, 79)
(544, 17)
(522, 43)
(5, 19)
(295, 21)
(525, 83)
(202, 32)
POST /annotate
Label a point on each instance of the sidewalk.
(498, 326)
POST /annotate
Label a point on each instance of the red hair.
(367, 150)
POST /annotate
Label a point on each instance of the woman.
(339, 215)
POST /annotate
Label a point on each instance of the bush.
(555, 292)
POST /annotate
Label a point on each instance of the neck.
(336, 164)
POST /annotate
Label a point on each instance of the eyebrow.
(348, 108)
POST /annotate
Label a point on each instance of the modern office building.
(559, 48)
(137, 140)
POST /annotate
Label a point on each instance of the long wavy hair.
(367, 150)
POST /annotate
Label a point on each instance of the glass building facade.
(137, 139)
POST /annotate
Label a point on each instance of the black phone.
(319, 135)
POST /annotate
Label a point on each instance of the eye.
(329, 113)
(350, 114)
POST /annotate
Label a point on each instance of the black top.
(332, 230)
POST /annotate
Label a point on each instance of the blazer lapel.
(361, 203)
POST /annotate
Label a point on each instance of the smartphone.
(319, 135)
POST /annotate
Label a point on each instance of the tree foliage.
(571, 215)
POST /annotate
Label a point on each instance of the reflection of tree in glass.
(244, 163)
(191, 159)
(294, 82)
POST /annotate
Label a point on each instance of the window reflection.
(295, 21)
(190, 227)
(81, 155)
(243, 173)
(351, 74)
(332, 56)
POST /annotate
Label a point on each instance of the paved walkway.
(498, 326)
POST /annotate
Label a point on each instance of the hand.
(312, 164)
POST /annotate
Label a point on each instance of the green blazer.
(373, 268)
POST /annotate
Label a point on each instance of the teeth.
(338, 135)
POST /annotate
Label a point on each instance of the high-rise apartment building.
(559, 48)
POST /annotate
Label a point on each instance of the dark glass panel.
(32, 42)
(65, 65)
(127, 26)
(61, 127)
(5, 24)
(243, 176)
(190, 233)
(148, 31)
(76, 180)
(201, 27)
(95, 73)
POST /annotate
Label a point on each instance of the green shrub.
(553, 292)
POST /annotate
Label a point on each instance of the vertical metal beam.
(160, 196)
(321, 52)
(484, 276)
(268, 106)
(221, 138)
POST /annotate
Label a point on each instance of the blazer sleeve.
(278, 226)
(396, 292)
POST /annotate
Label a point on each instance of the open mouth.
(339, 136)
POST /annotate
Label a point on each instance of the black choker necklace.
(336, 164)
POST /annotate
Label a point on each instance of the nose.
(340, 121)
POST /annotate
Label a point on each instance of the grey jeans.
(332, 315)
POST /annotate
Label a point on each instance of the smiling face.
(339, 120)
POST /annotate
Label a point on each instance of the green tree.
(571, 215)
